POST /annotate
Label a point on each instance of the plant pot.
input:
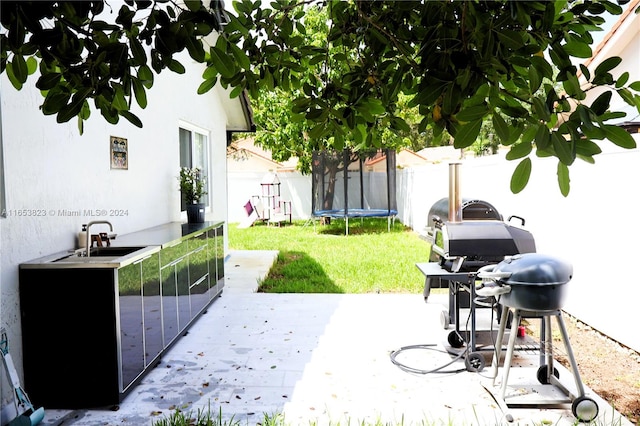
(195, 213)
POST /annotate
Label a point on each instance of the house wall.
(55, 177)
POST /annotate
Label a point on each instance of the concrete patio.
(323, 359)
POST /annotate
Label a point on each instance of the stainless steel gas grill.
(472, 235)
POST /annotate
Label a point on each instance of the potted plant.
(192, 187)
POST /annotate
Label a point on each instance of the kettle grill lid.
(535, 269)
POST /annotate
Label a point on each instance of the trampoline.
(354, 185)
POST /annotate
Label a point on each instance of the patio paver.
(320, 359)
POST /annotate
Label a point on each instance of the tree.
(460, 62)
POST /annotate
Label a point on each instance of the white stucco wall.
(51, 169)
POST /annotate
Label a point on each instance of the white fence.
(594, 228)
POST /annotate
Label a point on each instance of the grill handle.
(516, 217)
(489, 286)
(487, 273)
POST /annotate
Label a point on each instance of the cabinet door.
(174, 270)
(182, 287)
(219, 259)
(152, 308)
(131, 324)
(211, 261)
(198, 274)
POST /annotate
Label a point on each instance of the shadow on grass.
(297, 272)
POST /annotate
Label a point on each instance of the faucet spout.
(96, 222)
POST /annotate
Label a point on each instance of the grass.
(316, 258)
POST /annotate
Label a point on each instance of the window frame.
(197, 156)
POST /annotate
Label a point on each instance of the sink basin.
(113, 251)
(100, 255)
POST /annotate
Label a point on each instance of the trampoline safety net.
(354, 184)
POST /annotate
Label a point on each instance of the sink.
(113, 251)
(100, 255)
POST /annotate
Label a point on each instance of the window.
(194, 152)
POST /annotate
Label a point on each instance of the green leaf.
(54, 102)
(509, 38)
(563, 178)
(195, 49)
(132, 118)
(48, 81)
(601, 104)
(146, 76)
(72, 109)
(578, 49)
(119, 101)
(32, 65)
(587, 148)
(521, 175)
(176, 67)
(222, 63)
(207, 85)
(12, 78)
(519, 150)
(619, 136)
(542, 66)
(541, 109)
(534, 79)
(563, 148)
(622, 80)
(607, 65)
(472, 113)
(241, 58)
(137, 51)
(585, 71)
(543, 138)
(467, 134)
(139, 92)
(451, 99)
(19, 68)
(501, 127)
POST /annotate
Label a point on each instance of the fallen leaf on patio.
(201, 354)
(273, 366)
(172, 407)
(156, 413)
(205, 384)
(238, 397)
(257, 398)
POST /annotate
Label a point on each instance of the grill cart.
(474, 236)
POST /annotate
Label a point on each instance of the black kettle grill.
(534, 285)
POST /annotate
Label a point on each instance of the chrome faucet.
(106, 222)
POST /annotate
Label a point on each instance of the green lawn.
(315, 258)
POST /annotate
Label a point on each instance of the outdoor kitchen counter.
(142, 243)
(135, 311)
(165, 235)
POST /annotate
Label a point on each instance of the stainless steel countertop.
(150, 241)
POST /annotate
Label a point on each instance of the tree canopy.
(459, 64)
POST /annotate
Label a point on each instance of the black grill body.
(481, 238)
(460, 248)
(469, 245)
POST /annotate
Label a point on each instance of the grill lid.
(534, 269)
